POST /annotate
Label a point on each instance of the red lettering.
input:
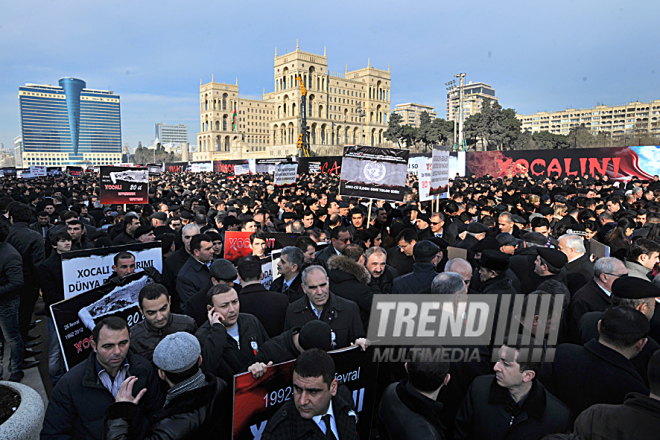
(554, 167)
(504, 165)
(594, 165)
(615, 162)
(583, 165)
(335, 169)
(567, 167)
(537, 162)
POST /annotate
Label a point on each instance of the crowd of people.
(206, 319)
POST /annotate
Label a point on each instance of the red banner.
(619, 163)
(237, 245)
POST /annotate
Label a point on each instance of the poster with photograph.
(424, 173)
(440, 172)
(376, 173)
(257, 400)
(86, 269)
(239, 170)
(76, 317)
(121, 185)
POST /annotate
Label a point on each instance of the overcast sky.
(550, 56)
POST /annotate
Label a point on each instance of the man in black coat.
(523, 263)
(382, 274)
(195, 405)
(195, 274)
(475, 233)
(351, 279)
(289, 267)
(595, 296)
(11, 281)
(319, 302)
(400, 257)
(131, 223)
(492, 274)
(30, 244)
(408, 409)
(81, 397)
(175, 262)
(43, 224)
(426, 255)
(579, 269)
(311, 398)
(512, 404)
(230, 339)
(52, 290)
(631, 292)
(268, 307)
(601, 371)
(339, 238)
(637, 418)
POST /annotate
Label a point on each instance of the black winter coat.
(576, 274)
(342, 315)
(123, 238)
(385, 282)
(523, 266)
(221, 355)
(588, 329)
(51, 280)
(173, 265)
(77, 405)
(293, 293)
(196, 414)
(268, 307)
(401, 263)
(352, 281)
(589, 298)
(322, 256)
(636, 419)
(30, 245)
(11, 272)
(287, 424)
(583, 376)
(409, 415)
(421, 277)
(278, 349)
(193, 277)
(489, 412)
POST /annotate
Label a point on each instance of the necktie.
(328, 430)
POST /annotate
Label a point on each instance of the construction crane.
(303, 141)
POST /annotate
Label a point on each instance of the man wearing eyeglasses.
(596, 295)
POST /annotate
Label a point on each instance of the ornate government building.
(268, 126)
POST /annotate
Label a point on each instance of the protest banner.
(257, 400)
(237, 243)
(319, 164)
(376, 173)
(87, 269)
(54, 171)
(440, 172)
(599, 250)
(617, 163)
(38, 171)
(75, 317)
(124, 185)
(239, 170)
(267, 271)
(156, 169)
(425, 168)
(74, 171)
(267, 165)
(285, 174)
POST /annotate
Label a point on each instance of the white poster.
(38, 171)
(285, 174)
(241, 169)
(425, 168)
(440, 172)
(415, 164)
(85, 270)
(267, 269)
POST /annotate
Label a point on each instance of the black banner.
(121, 185)
(320, 164)
(76, 317)
(376, 173)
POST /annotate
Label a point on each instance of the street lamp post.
(361, 113)
(451, 86)
(460, 108)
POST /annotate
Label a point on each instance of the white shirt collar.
(604, 290)
(333, 424)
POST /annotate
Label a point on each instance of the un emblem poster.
(376, 173)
